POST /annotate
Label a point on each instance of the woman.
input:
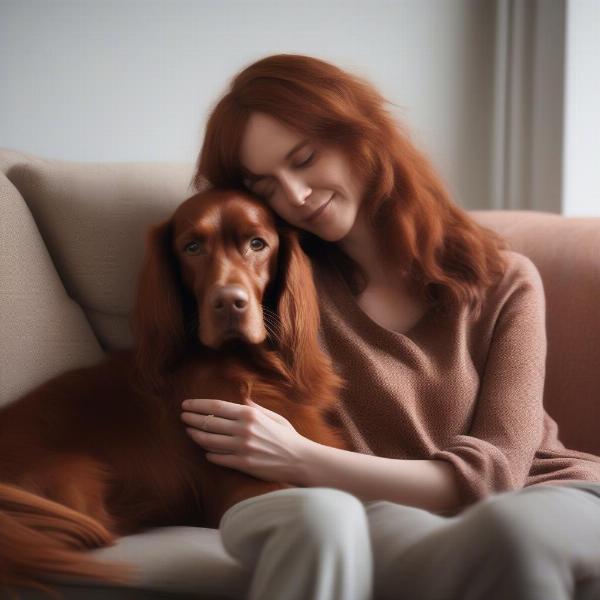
(438, 330)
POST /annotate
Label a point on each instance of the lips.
(319, 210)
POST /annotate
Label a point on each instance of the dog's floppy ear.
(157, 320)
(298, 310)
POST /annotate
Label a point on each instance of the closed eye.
(265, 187)
(307, 161)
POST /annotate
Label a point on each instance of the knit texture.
(456, 388)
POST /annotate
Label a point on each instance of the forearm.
(428, 484)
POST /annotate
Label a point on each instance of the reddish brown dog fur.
(225, 306)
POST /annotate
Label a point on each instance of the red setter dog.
(225, 303)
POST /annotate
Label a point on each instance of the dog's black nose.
(227, 298)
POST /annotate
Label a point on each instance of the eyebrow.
(249, 228)
(289, 155)
(191, 232)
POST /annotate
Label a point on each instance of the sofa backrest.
(71, 245)
(71, 242)
(566, 251)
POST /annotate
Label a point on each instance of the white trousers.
(537, 543)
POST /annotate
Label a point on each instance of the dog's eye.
(258, 244)
(193, 248)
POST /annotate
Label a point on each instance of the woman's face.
(307, 184)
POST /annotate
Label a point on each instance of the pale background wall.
(581, 182)
(133, 80)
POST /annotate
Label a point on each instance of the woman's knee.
(319, 504)
(311, 516)
(513, 526)
(327, 510)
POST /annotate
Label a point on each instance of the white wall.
(125, 80)
(581, 155)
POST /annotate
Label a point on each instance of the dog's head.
(222, 272)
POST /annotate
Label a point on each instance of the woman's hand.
(246, 437)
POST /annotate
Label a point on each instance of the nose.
(232, 299)
(295, 189)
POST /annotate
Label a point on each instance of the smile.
(319, 210)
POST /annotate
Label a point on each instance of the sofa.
(71, 244)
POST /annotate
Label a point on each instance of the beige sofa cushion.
(72, 243)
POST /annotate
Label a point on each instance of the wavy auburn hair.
(420, 231)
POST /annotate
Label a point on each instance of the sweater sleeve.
(506, 430)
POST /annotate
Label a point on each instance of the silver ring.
(203, 426)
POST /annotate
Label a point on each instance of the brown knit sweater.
(454, 388)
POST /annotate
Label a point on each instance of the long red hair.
(420, 231)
